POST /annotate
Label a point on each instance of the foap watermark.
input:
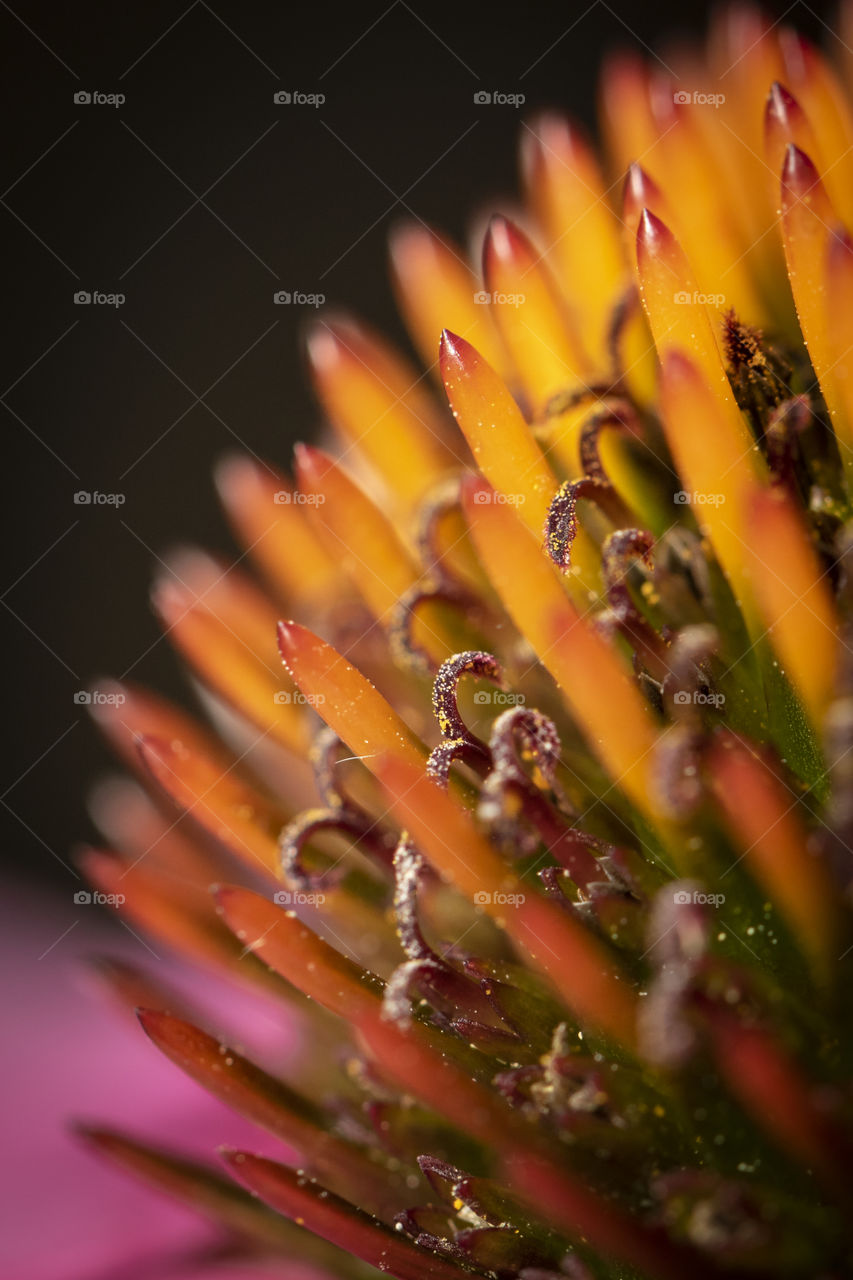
(484, 496)
(284, 698)
(684, 897)
(498, 698)
(94, 498)
(699, 699)
(296, 898)
(97, 698)
(97, 298)
(698, 299)
(295, 298)
(483, 298)
(683, 498)
(95, 98)
(94, 898)
(296, 98)
(484, 899)
(697, 98)
(497, 98)
(284, 498)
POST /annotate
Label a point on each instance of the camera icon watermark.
(284, 498)
(682, 99)
(684, 897)
(683, 498)
(496, 98)
(94, 498)
(284, 698)
(484, 899)
(94, 898)
(484, 496)
(94, 98)
(296, 898)
(698, 699)
(497, 697)
(96, 698)
(295, 298)
(296, 98)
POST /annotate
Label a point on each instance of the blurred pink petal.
(75, 1055)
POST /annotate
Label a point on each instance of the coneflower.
(543, 829)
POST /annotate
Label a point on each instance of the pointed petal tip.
(505, 246)
(289, 634)
(151, 747)
(451, 347)
(639, 192)
(406, 238)
(322, 348)
(785, 123)
(799, 174)
(635, 181)
(457, 354)
(170, 600)
(551, 129)
(232, 472)
(310, 463)
(149, 1019)
(406, 230)
(185, 575)
(780, 100)
(548, 144)
(191, 567)
(653, 235)
(112, 696)
(501, 235)
(622, 64)
(167, 1032)
(328, 339)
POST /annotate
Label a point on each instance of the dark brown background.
(197, 199)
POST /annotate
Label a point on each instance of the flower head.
(542, 829)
